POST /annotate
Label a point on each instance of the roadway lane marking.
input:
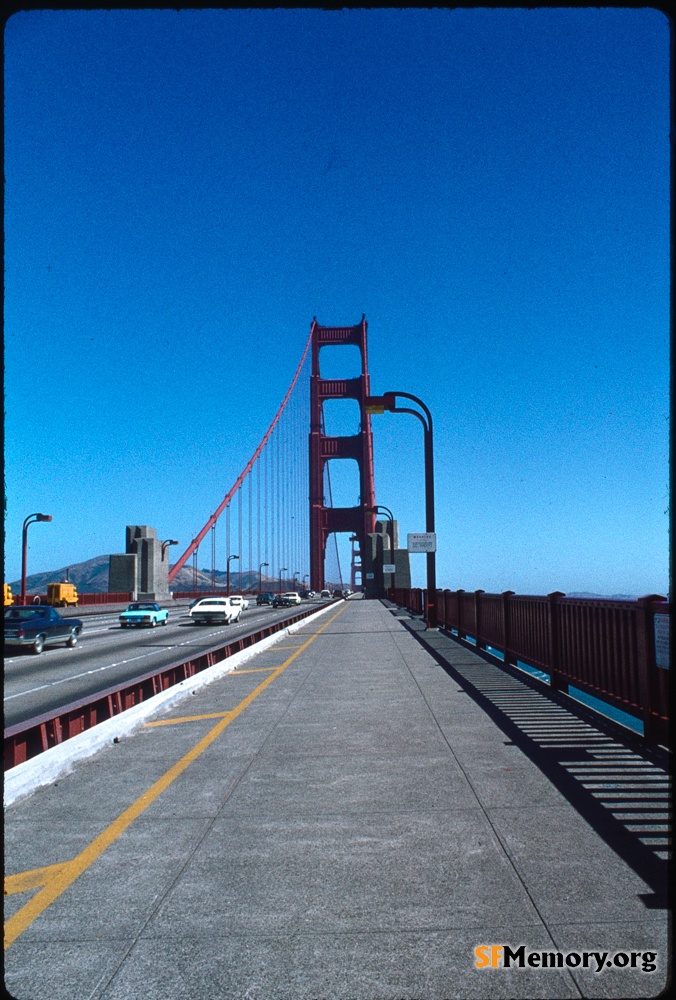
(63, 875)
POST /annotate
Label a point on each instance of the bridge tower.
(325, 520)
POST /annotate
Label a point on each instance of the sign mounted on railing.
(422, 541)
(662, 641)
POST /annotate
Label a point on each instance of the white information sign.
(662, 641)
(422, 541)
(389, 568)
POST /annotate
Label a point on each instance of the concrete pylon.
(381, 549)
(142, 571)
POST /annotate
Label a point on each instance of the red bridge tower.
(324, 520)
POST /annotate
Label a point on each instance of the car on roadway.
(265, 598)
(215, 610)
(325, 595)
(38, 626)
(337, 593)
(238, 599)
(144, 614)
(288, 599)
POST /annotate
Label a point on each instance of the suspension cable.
(178, 565)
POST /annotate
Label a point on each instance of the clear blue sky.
(185, 190)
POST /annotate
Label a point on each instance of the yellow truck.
(62, 594)
(8, 595)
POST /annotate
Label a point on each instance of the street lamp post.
(378, 404)
(227, 574)
(165, 546)
(284, 569)
(31, 519)
(260, 576)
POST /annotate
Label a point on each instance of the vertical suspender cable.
(250, 584)
(227, 535)
(240, 552)
(178, 565)
(258, 515)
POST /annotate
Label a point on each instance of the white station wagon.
(215, 610)
(238, 599)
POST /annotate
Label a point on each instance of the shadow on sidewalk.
(619, 786)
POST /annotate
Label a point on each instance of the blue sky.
(185, 190)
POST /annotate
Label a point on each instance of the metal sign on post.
(422, 541)
(370, 576)
(389, 568)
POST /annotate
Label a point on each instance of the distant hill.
(605, 597)
(91, 577)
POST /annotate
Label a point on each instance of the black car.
(38, 626)
(282, 601)
(264, 599)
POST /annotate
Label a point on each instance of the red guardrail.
(82, 599)
(32, 737)
(616, 651)
(181, 595)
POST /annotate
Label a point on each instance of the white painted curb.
(23, 779)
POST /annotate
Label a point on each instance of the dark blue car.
(38, 626)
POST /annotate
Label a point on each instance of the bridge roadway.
(108, 656)
(347, 815)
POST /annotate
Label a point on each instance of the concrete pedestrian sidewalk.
(349, 815)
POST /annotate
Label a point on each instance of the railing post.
(477, 616)
(458, 594)
(645, 656)
(556, 681)
(506, 625)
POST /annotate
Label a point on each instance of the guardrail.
(32, 737)
(82, 599)
(616, 651)
(182, 595)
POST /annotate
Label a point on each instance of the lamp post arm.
(407, 395)
(431, 610)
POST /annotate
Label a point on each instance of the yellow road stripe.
(67, 873)
(187, 718)
(256, 670)
(31, 880)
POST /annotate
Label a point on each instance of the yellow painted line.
(255, 670)
(187, 718)
(69, 871)
(31, 880)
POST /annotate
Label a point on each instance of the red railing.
(182, 595)
(612, 650)
(119, 598)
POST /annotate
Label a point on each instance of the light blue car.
(144, 613)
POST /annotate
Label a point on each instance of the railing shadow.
(617, 784)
